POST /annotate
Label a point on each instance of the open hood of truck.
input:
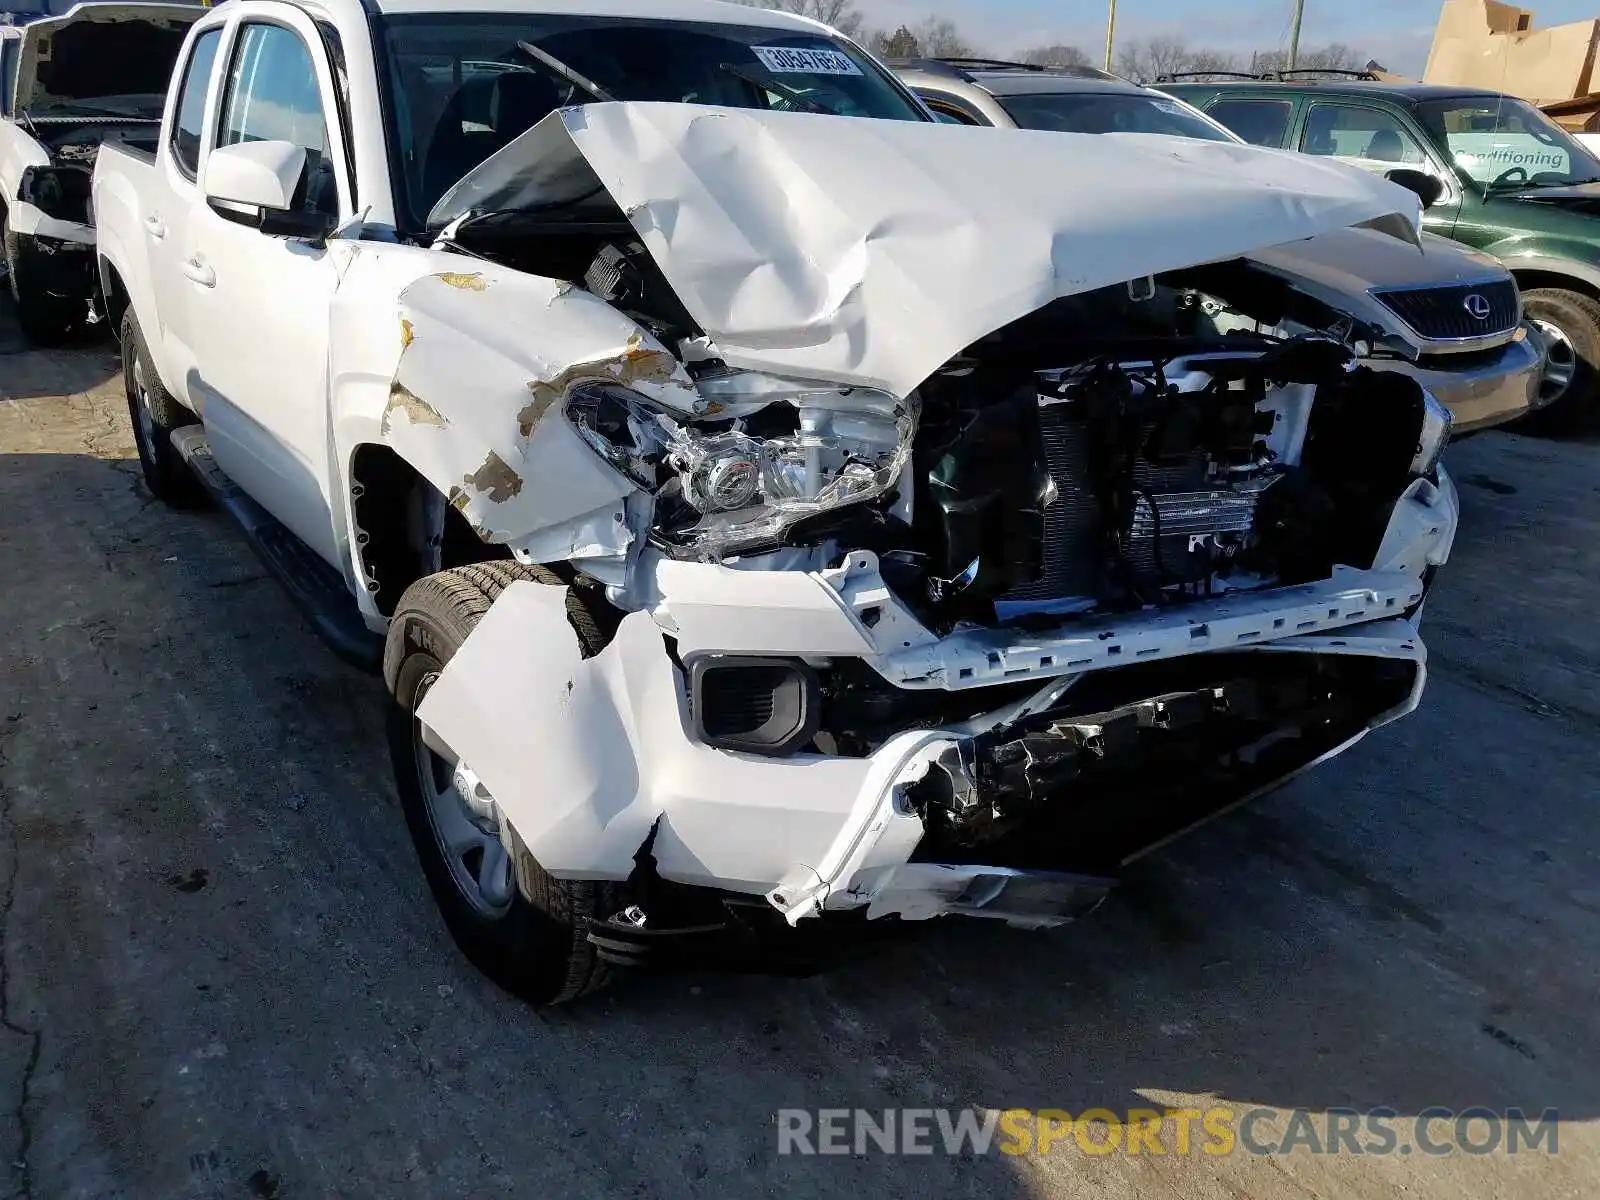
(871, 252)
(94, 51)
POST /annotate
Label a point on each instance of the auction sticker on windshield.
(792, 60)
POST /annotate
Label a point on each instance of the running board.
(317, 588)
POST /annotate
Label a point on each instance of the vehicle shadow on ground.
(220, 933)
(27, 370)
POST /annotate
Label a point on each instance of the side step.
(315, 586)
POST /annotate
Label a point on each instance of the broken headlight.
(764, 454)
(1435, 435)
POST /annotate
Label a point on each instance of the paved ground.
(222, 976)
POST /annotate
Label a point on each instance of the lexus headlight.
(1436, 423)
(765, 454)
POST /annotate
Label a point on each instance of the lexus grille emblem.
(1477, 305)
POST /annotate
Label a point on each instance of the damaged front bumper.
(589, 759)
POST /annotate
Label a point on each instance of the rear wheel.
(523, 928)
(1570, 325)
(155, 415)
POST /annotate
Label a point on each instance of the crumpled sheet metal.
(584, 756)
(486, 356)
(872, 251)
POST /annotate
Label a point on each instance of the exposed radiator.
(1187, 508)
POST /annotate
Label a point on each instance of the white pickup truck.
(772, 508)
(96, 73)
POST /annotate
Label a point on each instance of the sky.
(1395, 32)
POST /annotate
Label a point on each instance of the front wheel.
(46, 319)
(1570, 325)
(521, 927)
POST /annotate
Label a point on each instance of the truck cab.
(1511, 182)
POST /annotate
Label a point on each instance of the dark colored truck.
(1510, 182)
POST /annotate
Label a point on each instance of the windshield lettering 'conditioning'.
(1501, 142)
(464, 86)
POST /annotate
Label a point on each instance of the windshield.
(1112, 112)
(462, 86)
(1504, 143)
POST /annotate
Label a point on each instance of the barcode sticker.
(792, 60)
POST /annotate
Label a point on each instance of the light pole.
(1111, 31)
(1294, 33)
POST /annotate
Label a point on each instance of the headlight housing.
(1436, 424)
(765, 454)
(59, 192)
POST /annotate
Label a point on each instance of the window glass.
(8, 73)
(1507, 143)
(462, 86)
(1364, 137)
(1259, 122)
(1112, 112)
(273, 95)
(948, 110)
(192, 102)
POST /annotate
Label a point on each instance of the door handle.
(200, 271)
(155, 227)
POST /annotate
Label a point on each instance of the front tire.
(45, 319)
(521, 927)
(155, 415)
(1570, 324)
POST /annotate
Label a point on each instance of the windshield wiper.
(566, 72)
(772, 85)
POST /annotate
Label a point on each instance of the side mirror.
(1428, 188)
(256, 183)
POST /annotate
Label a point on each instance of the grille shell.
(1440, 313)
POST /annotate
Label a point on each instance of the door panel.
(1379, 140)
(171, 338)
(258, 304)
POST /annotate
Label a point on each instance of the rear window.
(191, 116)
(1111, 112)
(1259, 122)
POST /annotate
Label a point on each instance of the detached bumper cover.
(586, 756)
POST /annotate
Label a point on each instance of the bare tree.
(938, 37)
(843, 15)
(1334, 56)
(1150, 58)
(1054, 56)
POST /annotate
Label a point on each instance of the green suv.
(1509, 181)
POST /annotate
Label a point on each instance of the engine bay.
(1135, 447)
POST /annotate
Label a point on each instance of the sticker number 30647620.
(793, 60)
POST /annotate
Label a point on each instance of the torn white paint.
(872, 251)
(486, 355)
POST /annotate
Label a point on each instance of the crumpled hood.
(871, 252)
